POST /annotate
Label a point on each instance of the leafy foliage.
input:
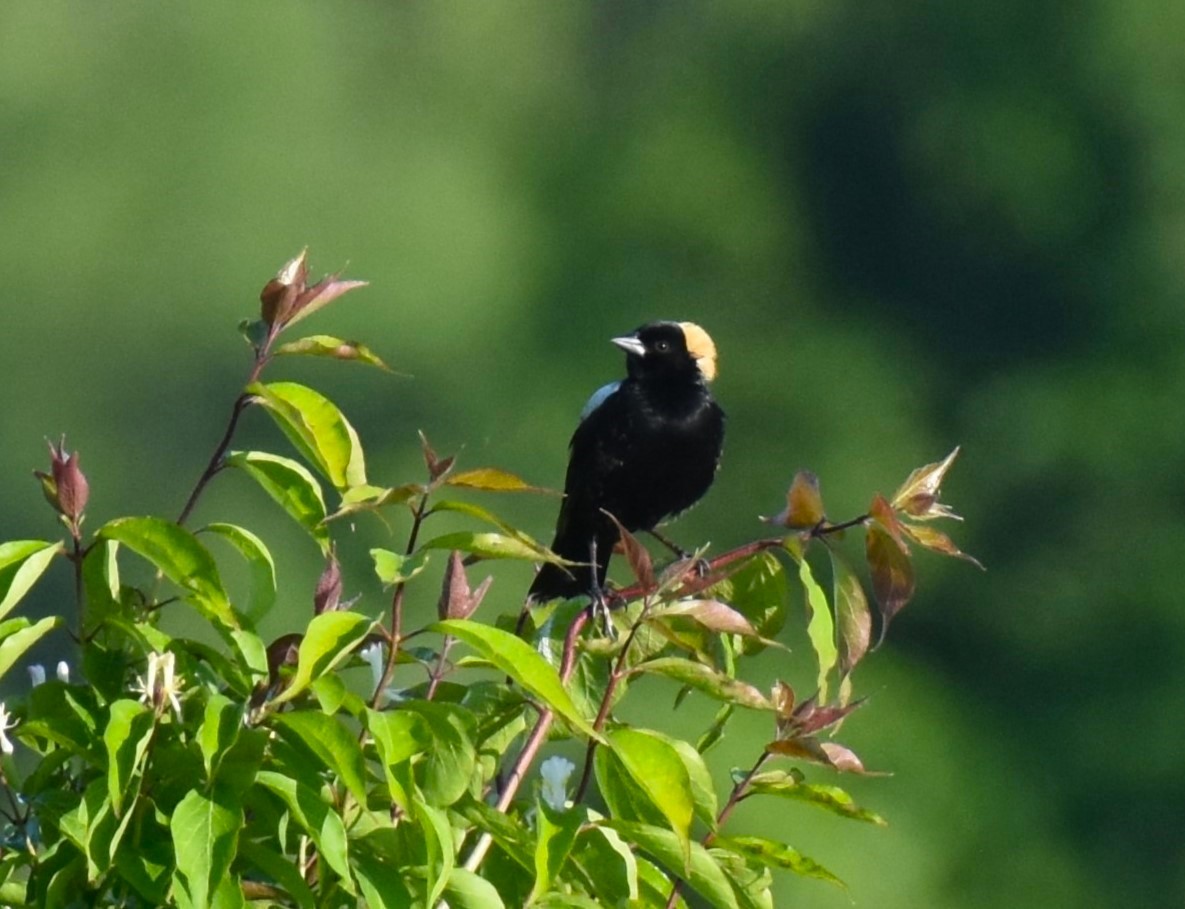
(197, 774)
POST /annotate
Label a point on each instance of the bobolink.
(647, 448)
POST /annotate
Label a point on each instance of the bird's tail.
(557, 581)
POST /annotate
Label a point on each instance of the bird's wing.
(598, 398)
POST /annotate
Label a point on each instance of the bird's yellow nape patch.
(701, 346)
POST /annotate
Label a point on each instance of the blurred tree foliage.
(906, 226)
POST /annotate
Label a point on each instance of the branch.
(262, 356)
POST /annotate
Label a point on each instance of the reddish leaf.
(844, 759)
(807, 749)
(937, 541)
(278, 297)
(712, 614)
(882, 512)
(853, 621)
(637, 555)
(918, 495)
(319, 295)
(892, 573)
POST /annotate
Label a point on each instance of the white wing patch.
(598, 399)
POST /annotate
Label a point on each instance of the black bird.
(647, 448)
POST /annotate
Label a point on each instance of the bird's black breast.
(646, 453)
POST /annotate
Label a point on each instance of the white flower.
(373, 654)
(6, 723)
(156, 691)
(376, 656)
(63, 671)
(555, 772)
(37, 674)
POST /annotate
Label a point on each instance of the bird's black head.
(669, 349)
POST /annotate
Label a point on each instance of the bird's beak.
(630, 345)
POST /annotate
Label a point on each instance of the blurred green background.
(907, 226)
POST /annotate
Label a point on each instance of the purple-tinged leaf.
(636, 555)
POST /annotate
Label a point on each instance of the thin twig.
(397, 606)
(437, 672)
(262, 356)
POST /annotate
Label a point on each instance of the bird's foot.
(599, 610)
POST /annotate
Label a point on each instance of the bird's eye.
(662, 346)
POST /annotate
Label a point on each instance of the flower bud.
(327, 597)
(66, 489)
(279, 295)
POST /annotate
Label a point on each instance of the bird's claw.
(599, 610)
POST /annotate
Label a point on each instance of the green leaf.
(555, 833)
(701, 872)
(279, 868)
(100, 578)
(492, 546)
(181, 558)
(438, 840)
(381, 883)
(465, 890)
(333, 744)
(609, 861)
(252, 653)
(335, 348)
(330, 638)
(708, 680)
(22, 562)
(702, 788)
(777, 855)
(205, 835)
(317, 428)
(398, 737)
(518, 659)
(21, 636)
(393, 568)
(820, 627)
(659, 770)
(290, 484)
(220, 728)
(715, 732)
(316, 818)
(751, 881)
(127, 735)
(263, 570)
(451, 757)
(829, 798)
